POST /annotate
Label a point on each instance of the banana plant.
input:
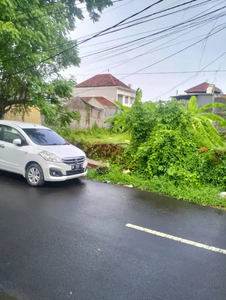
(202, 123)
(119, 121)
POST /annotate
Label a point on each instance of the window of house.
(126, 100)
(120, 98)
(131, 100)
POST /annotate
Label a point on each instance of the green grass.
(98, 135)
(204, 195)
(114, 138)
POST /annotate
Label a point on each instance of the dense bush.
(100, 151)
(165, 141)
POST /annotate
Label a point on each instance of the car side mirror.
(17, 142)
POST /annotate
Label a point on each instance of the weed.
(204, 195)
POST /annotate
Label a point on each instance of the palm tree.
(202, 125)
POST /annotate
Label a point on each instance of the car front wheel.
(34, 175)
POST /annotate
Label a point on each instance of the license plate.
(76, 167)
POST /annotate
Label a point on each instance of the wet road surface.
(69, 241)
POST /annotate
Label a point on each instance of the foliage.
(144, 117)
(203, 194)
(119, 121)
(201, 123)
(167, 155)
(35, 46)
(97, 148)
(101, 151)
(55, 112)
(167, 151)
(94, 135)
(165, 142)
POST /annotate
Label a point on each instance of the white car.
(39, 154)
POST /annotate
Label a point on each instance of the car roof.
(21, 125)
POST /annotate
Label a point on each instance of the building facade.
(205, 93)
(107, 86)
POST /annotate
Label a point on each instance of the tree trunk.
(2, 111)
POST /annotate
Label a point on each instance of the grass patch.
(204, 195)
(114, 138)
(101, 135)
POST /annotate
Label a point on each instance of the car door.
(12, 157)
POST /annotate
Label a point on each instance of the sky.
(207, 55)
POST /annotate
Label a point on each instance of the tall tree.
(35, 46)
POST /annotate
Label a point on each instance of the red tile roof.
(201, 88)
(102, 80)
(101, 100)
(87, 98)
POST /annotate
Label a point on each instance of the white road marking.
(177, 239)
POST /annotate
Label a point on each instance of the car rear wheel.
(34, 175)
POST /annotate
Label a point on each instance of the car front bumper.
(62, 172)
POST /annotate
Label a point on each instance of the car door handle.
(2, 146)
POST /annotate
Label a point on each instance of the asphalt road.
(69, 241)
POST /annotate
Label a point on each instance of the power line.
(100, 34)
(159, 32)
(81, 42)
(145, 21)
(160, 73)
(115, 54)
(152, 50)
(96, 35)
(128, 60)
(175, 53)
(191, 76)
(107, 11)
(123, 21)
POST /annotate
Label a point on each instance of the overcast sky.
(155, 86)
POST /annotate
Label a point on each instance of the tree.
(35, 47)
(201, 123)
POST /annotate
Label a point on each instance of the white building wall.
(111, 93)
(128, 96)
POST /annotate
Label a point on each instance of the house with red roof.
(205, 93)
(105, 86)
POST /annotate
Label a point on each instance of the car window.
(44, 136)
(9, 134)
(1, 133)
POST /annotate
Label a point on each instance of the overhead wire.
(224, 53)
(128, 43)
(100, 33)
(118, 46)
(175, 53)
(160, 73)
(127, 60)
(96, 35)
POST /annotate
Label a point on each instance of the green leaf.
(213, 117)
(192, 105)
(35, 47)
(123, 107)
(211, 105)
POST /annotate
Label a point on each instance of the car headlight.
(50, 157)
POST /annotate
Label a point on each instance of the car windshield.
(44, 136)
